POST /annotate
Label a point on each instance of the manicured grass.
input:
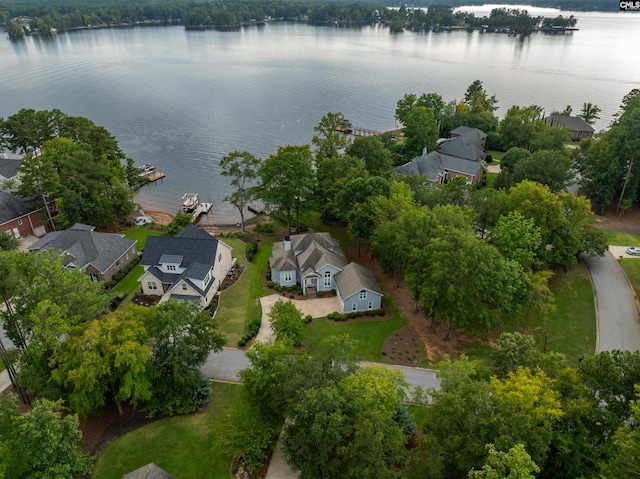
(130, 282)
(186, 446)
(369, 335)
(631, 266)
(496, 155)
(141, 235)
(617, 238)
(240, 304)
(491, 178)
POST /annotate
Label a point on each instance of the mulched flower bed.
(145, 300)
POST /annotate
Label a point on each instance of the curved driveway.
(617, 310)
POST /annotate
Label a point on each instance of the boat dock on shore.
(201, 209)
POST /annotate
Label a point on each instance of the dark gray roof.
(317, 256)
(12, 207)
(9, 168)
(302, 241)
(453, 163)
(462, 147)
(428, 165)
(150, 471)
(87, 247)
(573, 123)
(196, 250)
(470, 132)
(282, 260)
(354, 278)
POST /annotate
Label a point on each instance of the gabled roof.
(316, 256)
(473, 133)
(303, 241)
(573, 123)
(9, 168)
(428, 165)
(462, 147)
(193, 232)
(282, 260)
(12, 207)
(354, 278)
(150, 471)
(453, 163)
(87, 247)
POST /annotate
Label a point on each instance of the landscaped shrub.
(202, 394)
(265, 228)
(333, 291)
(252, 249)
(353, 315)
(320, 294)
(299, 291)
(307, 319)
(242, 341)
(278, 288)
(268, 274)
(380, 312)
(344, 317)
(488, 159)
(270, 284)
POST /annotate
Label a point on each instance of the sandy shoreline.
(164, 219)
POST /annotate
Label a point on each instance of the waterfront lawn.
(188, 447)
(617, 238)
(141, 235)
(240, 304)
(129, 283)
(369, 335)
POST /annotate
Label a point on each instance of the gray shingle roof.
(316, 256)
(573, 123)
(12, 207)
(462, 147)
(170, 259)
(9, 168)
(428, 165)
(354, 278)
(282, 260)
(150, 471)
(87, 247)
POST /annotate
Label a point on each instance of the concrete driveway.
(317, 308)
(621, 252)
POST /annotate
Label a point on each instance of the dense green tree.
(286, 322)
(329, 142)
(511, 351)
(8, 242)
(547, 137)
(288, 181)
(487, 205)
(512, 157)
(478, 99)
(421, 131)
(624, 462)
(242, 168)
(513, 464)
(361, 223)
(589, 113)
(182, 336)
(517, 238)
(41, 443)
(179, 222)
(548, 167)
(108, 361)
(334, 177)
(519, 124)
(377, 158)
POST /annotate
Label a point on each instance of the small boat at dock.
(190, 202)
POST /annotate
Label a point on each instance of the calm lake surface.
(181, 100)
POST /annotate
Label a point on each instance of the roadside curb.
(595, 301)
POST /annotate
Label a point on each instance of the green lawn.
(141, 235)
(187, 447)
(130, 282)
(369, 335)
(617, 238)
(631, 266)
(491, 178)
(496, 155)
(240, 304)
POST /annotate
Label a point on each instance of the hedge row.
(120, 275)
(254, 327)
(252, 249)
(343, 317)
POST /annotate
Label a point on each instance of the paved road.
(617, 310)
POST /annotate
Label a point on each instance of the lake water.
(181, 100)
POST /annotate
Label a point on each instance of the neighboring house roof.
(354, 278)
(9, 168)
(428, 165)
(573, 123)
(308, 252)
(193, 249)
(87, 247)
(472, 133)
(462, 147)
(150, 471)
(12, 207)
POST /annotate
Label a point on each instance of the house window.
(94, 277)
(184, 286)
(370, 305)
(288, 277)
(219, 256)
(127, 255)
(19, 222)
(354, 307)
(363, 294)
(152, 285)
(327, 278)
(171, 267)
(207, 278)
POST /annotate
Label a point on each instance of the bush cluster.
(307, 319)
(120, 275)
(343, 317)
(320, 294)
(296, 288)
(252, 249)
(265, 228)
(253, 328)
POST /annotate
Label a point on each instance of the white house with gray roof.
(188, 267)
(316, 262)
(100, 255)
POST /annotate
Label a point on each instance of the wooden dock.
(201, 209)
(358, 131)
(155, 176)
